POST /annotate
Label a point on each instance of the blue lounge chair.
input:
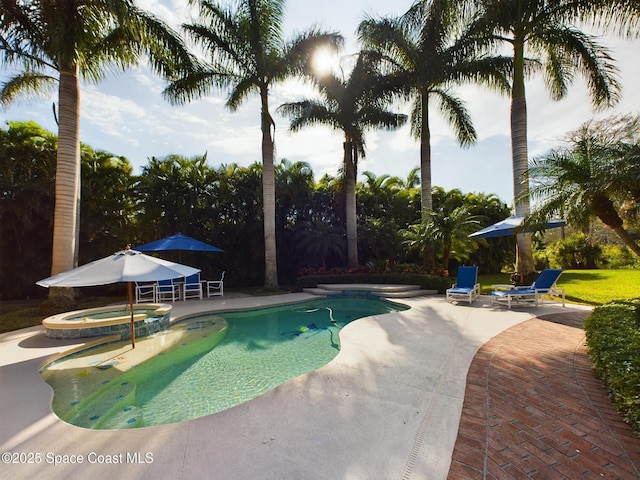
(544, 284)
(466, 288)
(192, 287)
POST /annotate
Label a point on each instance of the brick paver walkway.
(534, 410)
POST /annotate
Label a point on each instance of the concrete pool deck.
(387, 407)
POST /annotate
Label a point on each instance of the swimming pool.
(202, 365)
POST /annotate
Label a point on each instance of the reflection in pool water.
(202, 365)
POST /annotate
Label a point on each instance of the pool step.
(96, 410)
(124, 418)
(378, 290)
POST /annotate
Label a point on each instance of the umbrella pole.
(133, 328)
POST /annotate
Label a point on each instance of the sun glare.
(325, 61)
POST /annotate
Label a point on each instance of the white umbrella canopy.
(124, 266)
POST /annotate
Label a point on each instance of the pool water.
(202, 365)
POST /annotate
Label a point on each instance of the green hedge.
(428, 282)
(613, 337)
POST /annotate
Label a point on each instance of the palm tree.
(377, 193)
(544, 30)
(57, 42)
(320, 240)
(350, 105)
(597, 175)
(107, 203)
(413, 178)
(175, 195)
(446, 231)
(432, 57)
(294, 184)
(247, 54)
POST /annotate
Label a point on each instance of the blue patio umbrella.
(511, 226)
(178, 242)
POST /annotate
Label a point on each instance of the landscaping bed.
(613, 337)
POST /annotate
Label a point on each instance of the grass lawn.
(590, 287)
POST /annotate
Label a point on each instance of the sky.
(126, 115)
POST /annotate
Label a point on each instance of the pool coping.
(388, 406)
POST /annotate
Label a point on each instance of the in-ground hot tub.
(113, 320)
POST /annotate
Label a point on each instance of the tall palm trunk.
(268, 198)
(350, 204)
(426, 197)
(425, 159)
(519, 152)
(67, 194)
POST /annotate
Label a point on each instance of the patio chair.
(145, 292)
(466, 288)
(544, 284)
(215, 287)
(167, 290)
(192, 287)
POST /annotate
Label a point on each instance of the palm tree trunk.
(268, 199)
(627, 239)
(67, 194)
(607, 213)
(426, 197)
(425, 159)
(350, 205)
(519, 154)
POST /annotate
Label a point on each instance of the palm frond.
(570, 50)
(457, 115)
(26, 83)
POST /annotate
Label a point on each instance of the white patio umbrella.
(123, 266)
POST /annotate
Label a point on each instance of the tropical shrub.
(541, 259)
(613, 337)
(617, 256)
(27, 166)
(574, 252)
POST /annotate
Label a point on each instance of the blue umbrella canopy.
(178, 242)
(511, 226)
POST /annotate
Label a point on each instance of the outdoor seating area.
(179, 289)
(156, 280)
(544, 288)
